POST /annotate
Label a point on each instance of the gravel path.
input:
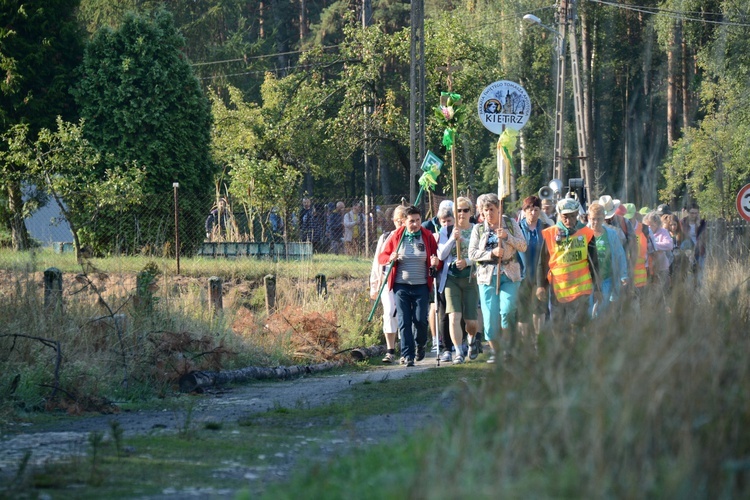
(67, 437)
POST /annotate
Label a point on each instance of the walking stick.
(437, 322)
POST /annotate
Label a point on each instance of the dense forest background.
(107, 102)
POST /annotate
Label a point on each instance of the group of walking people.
(470, 274)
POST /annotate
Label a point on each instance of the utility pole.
(367, 110)
(566, 25)
(581, 132)
(417, 96)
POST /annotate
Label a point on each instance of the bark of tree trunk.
(261, 12)
(17, 226)
(302, 20)
(362, 353)
(203, 379)
(671, 87)
(684, 79)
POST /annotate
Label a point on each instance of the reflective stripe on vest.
(569, 264)
(640, 277)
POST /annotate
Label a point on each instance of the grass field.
(333, 266)
(170, 331)
(648, 404)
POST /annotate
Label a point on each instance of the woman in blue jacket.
(613, 266)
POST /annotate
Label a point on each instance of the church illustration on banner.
(513, 103)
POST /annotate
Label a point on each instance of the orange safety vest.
(640, 277)
(569, 263)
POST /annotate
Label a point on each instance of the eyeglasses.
(463, 210)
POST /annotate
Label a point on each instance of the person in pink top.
(661, 257)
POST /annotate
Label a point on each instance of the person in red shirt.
(411, 281)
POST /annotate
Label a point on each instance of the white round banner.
(504, 103)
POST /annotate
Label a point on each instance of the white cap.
(445, 204)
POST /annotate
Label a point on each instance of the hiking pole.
(437, 320)
(431, 168)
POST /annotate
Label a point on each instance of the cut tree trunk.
(203, 379)
(362, 353)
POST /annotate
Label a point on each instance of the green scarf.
(562, 228)
(410, 236)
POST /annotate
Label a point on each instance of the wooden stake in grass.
(215, 294)
(53, 290)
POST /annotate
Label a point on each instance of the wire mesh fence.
(301, 229)
(226, 228)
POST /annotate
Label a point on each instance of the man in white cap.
(569, 259)
(433, 225)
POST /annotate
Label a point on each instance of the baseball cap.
(568, 206)
(644, 210)
(663, 209)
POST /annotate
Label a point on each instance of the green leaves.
(143, 104)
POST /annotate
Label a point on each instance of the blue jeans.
(494, 305)
(412, 307)
(606, 299)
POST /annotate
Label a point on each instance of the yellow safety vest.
(640, 277)
(569, 263)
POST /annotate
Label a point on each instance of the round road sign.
(504, 104)
(743, 202)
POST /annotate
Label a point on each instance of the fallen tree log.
(201, 379)
(362, 353)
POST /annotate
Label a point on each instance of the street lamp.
(531, 18)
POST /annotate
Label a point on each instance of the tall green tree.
(142, 102)
(709, 164)
(40, 45)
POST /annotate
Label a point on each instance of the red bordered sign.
(743, 202)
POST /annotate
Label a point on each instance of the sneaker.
(446, 356)
(458, 360)
(473, 352)
(402, 361)
(389, 358)
(492, 359)
(420, 352)
(464, 350)
(410, 362)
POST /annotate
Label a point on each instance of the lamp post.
(567, 16)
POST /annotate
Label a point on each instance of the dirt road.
(68, 436)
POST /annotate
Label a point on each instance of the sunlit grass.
(644, 404)
(333, 266)
(175, 335)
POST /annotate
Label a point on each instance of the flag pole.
(502, 189)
